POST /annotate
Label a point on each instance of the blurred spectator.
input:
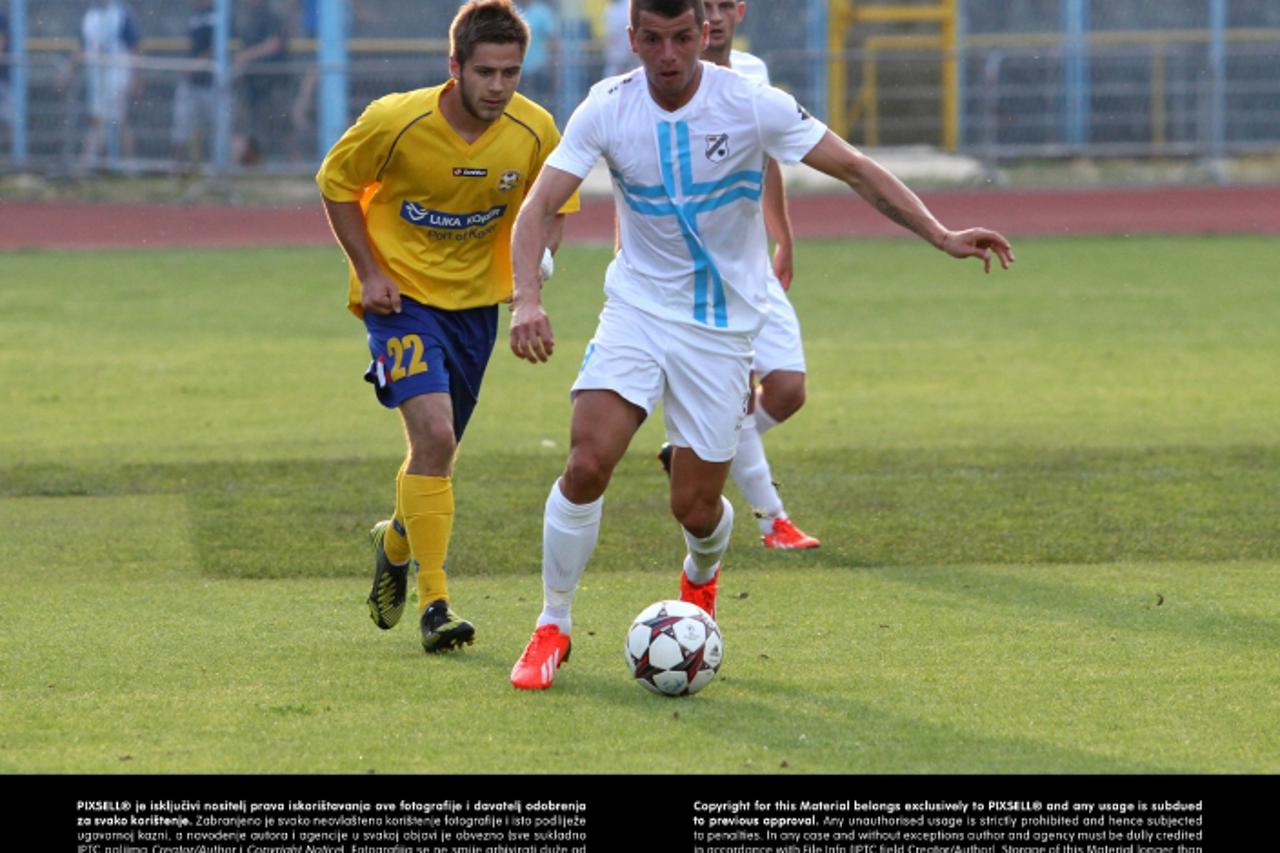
(309, 15)
(108, 40)
(302, 113)
(537, 74)
(618, 58)
(194, 100)
(264, 48)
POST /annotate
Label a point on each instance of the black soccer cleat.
(390, 582)
(664, 456)
(443, 630)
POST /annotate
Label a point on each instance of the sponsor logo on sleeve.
(623, 82)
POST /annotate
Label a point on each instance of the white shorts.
(108, 84)
(778, 346)
(699, 375)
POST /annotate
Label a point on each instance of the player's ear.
(455, 68)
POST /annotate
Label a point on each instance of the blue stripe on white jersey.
(686, 169)
(710, 305)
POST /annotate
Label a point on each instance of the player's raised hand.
(531, 337)
(979, 243)
(379, 294)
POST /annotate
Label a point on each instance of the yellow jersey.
(439, 210)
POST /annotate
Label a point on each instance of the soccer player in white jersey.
(779, 365)
(686, 294)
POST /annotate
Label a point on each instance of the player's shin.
(396, 542)
(703, 559)
(750, 470)
(427, 505)
(569, 534)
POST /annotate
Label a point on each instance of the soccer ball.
(674, 647)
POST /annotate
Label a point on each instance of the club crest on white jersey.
(717, 147)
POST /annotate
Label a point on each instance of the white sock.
(569, 533)
(764, 420)
(703, 560)
(750, 470)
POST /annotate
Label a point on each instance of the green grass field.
(1049, 500)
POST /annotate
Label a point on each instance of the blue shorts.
(426, 350)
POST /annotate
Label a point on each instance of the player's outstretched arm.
(536, 228)
(378, 293)
(837, 158)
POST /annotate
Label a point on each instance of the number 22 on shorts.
(398, 349)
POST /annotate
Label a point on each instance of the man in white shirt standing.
(108, 40)
(686, 294)
(779, 365)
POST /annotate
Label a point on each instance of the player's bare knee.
(784, 396)
(697, 514)
(586, 476)
(432, 447)
(789, 405)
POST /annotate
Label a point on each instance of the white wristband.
(548, 265)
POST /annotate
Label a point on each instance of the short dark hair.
(667, 9)
(486, 22)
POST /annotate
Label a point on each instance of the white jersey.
(687, 187)
(750, 65)
(107, 32)
(779, 345)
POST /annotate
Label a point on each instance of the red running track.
(1017, 213)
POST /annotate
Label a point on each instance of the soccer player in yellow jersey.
(421, 193)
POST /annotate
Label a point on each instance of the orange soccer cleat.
(785, 536)
(536, 669)
(701, 594)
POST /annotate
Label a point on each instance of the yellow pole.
(898, 13)
(837, 71)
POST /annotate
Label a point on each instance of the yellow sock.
(396, 542)
(427, 506)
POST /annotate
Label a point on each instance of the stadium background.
(991, 80)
